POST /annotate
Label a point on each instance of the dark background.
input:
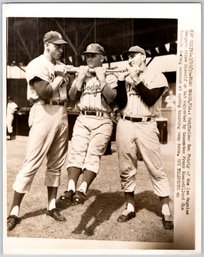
(116, 35)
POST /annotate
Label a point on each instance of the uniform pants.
(48, 137)
(143, 136)
(90, 137)
(9, 121)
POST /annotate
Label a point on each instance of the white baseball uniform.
(11, 108)
(48, 135)
(143, 135)
(92, 131)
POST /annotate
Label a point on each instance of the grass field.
(97, 218)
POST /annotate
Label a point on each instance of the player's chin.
(59, 56)
(91, 64)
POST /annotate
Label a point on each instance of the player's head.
(94, 55)
(136, 56)
(10, 99)
(53, 44)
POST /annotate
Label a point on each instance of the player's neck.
(49, 57)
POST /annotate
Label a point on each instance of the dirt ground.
(97, 218)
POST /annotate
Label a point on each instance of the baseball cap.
(94, 48)
(133, 49)
(54, 37)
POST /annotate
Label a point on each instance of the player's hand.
(67, 69)
(82, 72)
(60, 69)
(101, 74)
(122, 75)
(135, 72)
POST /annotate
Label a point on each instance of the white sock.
(83, 187)
(165, 209)
(71, 185)
(52, 204)
(130, 207)
(15, 211)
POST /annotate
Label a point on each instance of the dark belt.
(61, 103)
(94, 113)
(134, 119)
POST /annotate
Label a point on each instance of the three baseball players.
(137, 94)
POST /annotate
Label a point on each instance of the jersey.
(11, 108)
(135, 106)
(42, 68)
(92, 98)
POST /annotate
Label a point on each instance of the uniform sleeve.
(43, 88)
(151, 91)
(121, 97)
(149, 96)
(35, 69)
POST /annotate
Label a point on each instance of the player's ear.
(46, 45)
(143, 57)
(102, 58)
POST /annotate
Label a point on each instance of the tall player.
(48, 137)
(144, 91)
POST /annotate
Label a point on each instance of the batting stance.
(94, 94)
(137, 130)
(48, 137)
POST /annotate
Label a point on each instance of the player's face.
(135, 59)
(55, 51)
(94, 60)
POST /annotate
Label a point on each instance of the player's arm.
(45, 89)
(121, 97)
(75, 91)
(149, 96)
(42, 88)
(76, 88)
(108, 84)
(109, 93)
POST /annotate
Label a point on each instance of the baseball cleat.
(67, 197)
(79, 198)
(55, 214)
(167, 221)
(12, 221)
(126, 216)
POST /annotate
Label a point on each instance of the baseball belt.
(135, 119)
(61, 103)
(95, 113)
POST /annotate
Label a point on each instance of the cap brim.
(92, 52)
(126, 53)
(59, 42)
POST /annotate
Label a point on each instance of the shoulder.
(112, 79)
(39, 67)
(159, 78)
(39, 63)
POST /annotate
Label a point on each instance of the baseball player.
(48, 137)
(94, 95)
(144, 91)
(11, 109)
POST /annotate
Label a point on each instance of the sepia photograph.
(101, 126)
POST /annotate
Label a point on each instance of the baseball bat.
(108, 70)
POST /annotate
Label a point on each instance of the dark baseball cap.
(133, 49)
(54, 37)
(94, 48)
